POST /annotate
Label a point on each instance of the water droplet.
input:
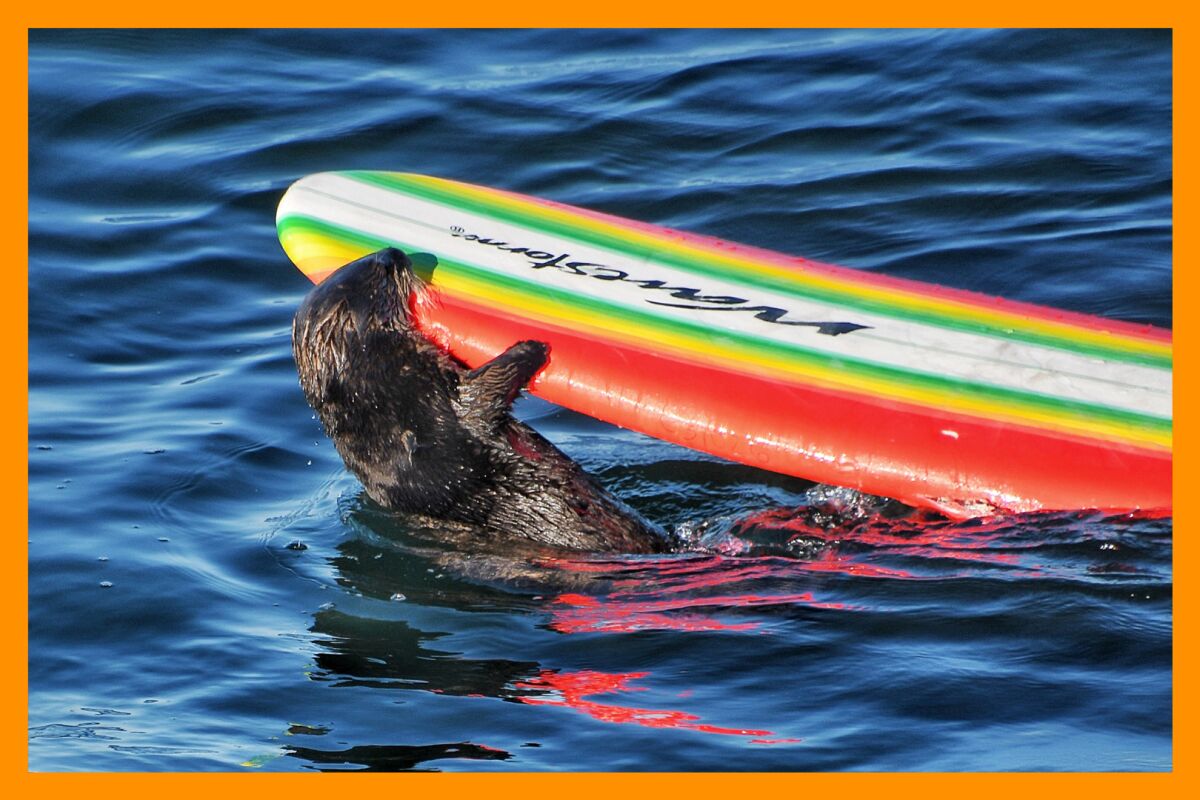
(106, 584)
(163, 539)
(44, 447)
(102, 558)
(399, 598)
(296, 544)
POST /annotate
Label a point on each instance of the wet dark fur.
(425, 435)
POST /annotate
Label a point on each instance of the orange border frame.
(14, 330)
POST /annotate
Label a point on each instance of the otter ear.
(487, 393)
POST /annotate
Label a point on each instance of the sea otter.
(427, 436)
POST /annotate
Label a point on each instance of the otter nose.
(392, 259)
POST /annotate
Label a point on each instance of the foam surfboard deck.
(934, 396)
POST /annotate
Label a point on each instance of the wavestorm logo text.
(691, 298)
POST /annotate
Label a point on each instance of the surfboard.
(935, 396)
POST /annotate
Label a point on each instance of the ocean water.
(209, 590)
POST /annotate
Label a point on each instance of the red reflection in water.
(922, 535)
(668, 592)
(831, 561)
(720, 571)
(1153, 513)
(619, 615)
(572, 688)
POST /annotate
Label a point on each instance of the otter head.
(369, 295)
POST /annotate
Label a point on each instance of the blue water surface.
(210, 590)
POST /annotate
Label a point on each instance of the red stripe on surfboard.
(874, 444)
(798, 264)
